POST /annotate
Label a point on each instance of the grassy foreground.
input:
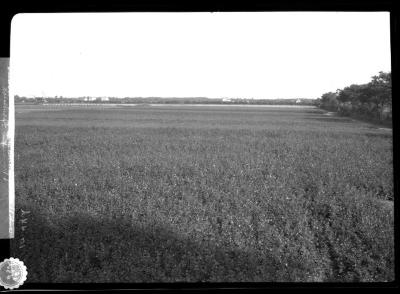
(213, 194)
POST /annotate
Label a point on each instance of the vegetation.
(159, 100)
(212, 194)
(372, 100)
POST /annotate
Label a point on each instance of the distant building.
(298, 101)
(105, 99)
(226, 100)
(386, 111)
(40, 100)
(90, 99)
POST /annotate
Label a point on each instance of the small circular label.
(12, 273)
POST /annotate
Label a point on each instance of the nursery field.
(202, 194)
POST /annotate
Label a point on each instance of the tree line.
(371, 101)
(166, 100)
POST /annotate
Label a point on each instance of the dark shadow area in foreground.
(88, 249)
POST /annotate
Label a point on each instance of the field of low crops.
(202, 194)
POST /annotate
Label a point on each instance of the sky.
(260, 55)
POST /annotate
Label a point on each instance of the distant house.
(226, 100)
(386, 112)
(298, 101)
(90, 99)
(105, 99)
(40, 100)
(387, 109)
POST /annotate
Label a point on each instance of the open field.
(214, 194)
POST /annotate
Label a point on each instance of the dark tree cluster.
(372, 100)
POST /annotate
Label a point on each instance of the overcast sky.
(249, 55)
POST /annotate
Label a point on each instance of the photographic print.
(203, 147)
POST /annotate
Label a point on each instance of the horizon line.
(158, 97)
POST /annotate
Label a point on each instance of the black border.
(10, 9)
